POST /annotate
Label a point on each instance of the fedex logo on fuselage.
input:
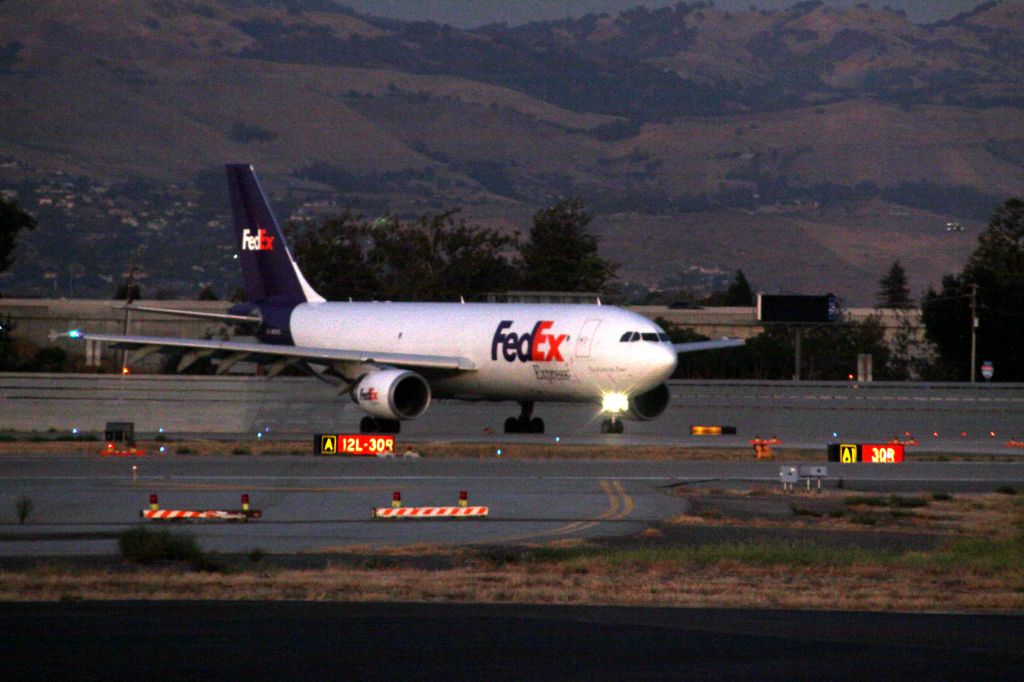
(260, 241)
(537, 345)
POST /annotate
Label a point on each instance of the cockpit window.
(636, 336)
(649, 336)
(663, 336)
(626, 337)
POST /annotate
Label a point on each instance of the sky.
(471, 13)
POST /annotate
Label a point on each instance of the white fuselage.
(519, 352)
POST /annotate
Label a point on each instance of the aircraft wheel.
(367, 425)
(606, 426)
(536, 425)
(619, 426)
(511, 425)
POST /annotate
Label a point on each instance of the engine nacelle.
(650, 405)
(392, 394)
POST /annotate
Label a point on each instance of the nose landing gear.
(526, 422)
(612, 425)
(378, 425)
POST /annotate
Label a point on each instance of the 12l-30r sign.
(366, 444)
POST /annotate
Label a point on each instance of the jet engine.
(649, 405)
(392, 394)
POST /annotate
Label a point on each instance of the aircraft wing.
(254, 350)
(226, 317)
(724, 342)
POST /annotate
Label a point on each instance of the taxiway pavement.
(310, 504)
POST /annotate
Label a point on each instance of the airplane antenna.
(599, 300)
(462, 300)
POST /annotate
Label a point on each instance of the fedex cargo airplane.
(394, 358)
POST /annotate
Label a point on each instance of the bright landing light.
(614, 402)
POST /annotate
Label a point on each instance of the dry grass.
(979, 567)
(727, 583)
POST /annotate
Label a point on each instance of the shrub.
(184, 451)
(241, 451)
(942, 497)
(864, 519)
(145, 546)
(1006, 490)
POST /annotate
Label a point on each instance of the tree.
(334, 254)
(560, 255)
(437, 257)
(441, 258)
(996, 268)
(12, 221)
(739, 292)
(947, 324)
(893, 290)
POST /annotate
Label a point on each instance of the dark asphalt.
(299, 640)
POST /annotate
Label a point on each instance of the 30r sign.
(871, 453)
(882, 454)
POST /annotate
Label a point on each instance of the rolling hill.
(810, 146)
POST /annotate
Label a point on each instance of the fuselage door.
(586, 338)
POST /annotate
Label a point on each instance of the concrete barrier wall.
(179, 404)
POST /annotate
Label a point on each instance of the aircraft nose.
(664, 361)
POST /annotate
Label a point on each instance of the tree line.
(441, 257)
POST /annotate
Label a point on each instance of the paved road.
(287, 640)
(804, 414)
(309, 503)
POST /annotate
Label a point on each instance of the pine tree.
(739, 292)
(893, 290)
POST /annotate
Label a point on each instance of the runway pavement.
(803, 414)
(288, 640)
(315, 503)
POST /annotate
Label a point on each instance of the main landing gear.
(612, 425)
(378, 425)
(526, 422)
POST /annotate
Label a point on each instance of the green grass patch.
(901, 502)
(836, 513)
(974, 554)
(801, 511)
(864, 519)
(865, 501)
(902, 514)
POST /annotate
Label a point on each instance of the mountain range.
(810, 146)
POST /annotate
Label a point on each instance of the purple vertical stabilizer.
(270, 273)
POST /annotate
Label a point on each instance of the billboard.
(797, 309)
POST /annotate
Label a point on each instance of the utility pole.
(974, 329)
(128, 298)
(797, 359)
